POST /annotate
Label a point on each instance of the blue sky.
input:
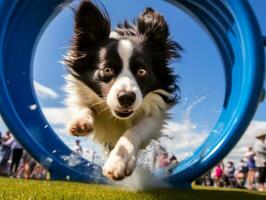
(201, 71)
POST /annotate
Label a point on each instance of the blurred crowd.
(16, 162)
(250, 173)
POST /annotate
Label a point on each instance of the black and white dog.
(120, 86)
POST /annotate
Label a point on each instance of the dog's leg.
(122, 159)
(81, 123)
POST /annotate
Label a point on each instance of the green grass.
(12, 189)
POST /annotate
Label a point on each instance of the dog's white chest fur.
(107, 129)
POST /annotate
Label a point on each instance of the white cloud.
(247, 140)
(44, 92)
(56, 116)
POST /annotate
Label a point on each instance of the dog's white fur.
(125, 81)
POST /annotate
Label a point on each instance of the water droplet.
(50, 160)
(33, 107)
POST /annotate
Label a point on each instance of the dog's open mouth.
(123, 113)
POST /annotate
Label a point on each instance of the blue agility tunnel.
(231, 24)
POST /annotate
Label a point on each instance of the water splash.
(72, 160)
(176, 138)
(192, 106)
(141, 180)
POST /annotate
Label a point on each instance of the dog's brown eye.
(107, 71)
(142, 73)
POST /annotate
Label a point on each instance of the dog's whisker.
(103, 110)
(111, 116)
(96, 104)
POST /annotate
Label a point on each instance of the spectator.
(173, 164)
(206, 179)
(26, 167)
(218, 175)
(260, 150)
(0, 138)
(241, 174)
(39, 173)
(251, 164)
(157, 152)
(164, 161)
(92, 152)
(17, 152)
(78, 148)
(162, 168)
(229, 175)
(173, 160)
(6, 151)
(1, 153)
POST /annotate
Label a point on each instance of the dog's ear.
(92, 26)
(154, 28)
(152, 25)
(92, 30)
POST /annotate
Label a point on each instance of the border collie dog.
(120, 86)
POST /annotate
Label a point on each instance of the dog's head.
(125, 65)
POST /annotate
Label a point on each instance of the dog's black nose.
(126, 99)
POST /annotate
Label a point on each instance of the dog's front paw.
(80, 127)
(119, 165)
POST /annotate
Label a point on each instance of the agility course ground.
(13, 189)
